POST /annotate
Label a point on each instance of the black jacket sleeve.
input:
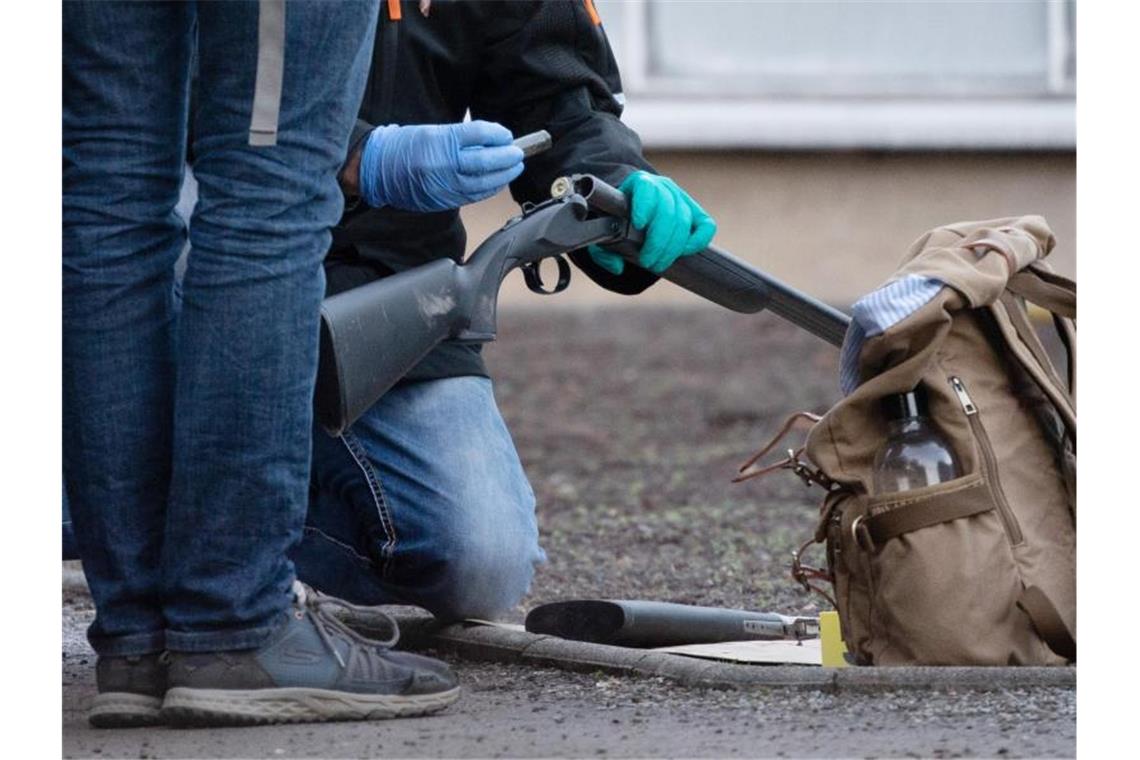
(547, 65)
(360, 130)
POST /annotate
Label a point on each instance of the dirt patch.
(631, 424)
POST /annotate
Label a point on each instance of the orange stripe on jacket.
(394, 10)
(593, 12)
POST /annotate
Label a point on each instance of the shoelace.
(367, 616)
(329, 625)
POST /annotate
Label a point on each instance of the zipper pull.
(963, 396)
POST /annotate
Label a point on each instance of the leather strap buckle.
(792, 461)
(805, 574)
(861, 535)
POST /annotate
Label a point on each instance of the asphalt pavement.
(527, 711)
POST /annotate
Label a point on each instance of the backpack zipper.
(989, 461)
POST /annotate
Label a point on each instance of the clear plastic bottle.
(916, 454)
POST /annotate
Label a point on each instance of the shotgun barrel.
(714, 273)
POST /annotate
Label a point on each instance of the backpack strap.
(1068, 332)
(972, 498)
(1022, 341)
(1026, 347)
(1040, 285)
(1048, 622)
(1025, 331)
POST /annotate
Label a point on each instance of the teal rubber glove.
(675, 225)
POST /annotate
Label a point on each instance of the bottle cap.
(904, 405)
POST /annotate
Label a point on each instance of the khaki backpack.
(979, 570)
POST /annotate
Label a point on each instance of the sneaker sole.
(124, 710)
(233, 707)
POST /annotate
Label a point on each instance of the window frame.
(670, 115)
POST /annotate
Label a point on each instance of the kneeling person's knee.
(487, 565)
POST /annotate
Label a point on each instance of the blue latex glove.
(675, 225)
(436, 167)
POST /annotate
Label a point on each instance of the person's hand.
(675, 225)
(436, 167)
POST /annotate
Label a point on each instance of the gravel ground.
(511, 711)
(631, 424)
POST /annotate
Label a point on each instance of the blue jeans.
(186, 443)
(423, 501)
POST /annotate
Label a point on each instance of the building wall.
(834, 224)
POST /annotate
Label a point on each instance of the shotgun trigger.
(533, 277)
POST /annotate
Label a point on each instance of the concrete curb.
(489, 644)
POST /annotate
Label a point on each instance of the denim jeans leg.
(248, 328)
(423, 501)
(126, 73)
(70, 550)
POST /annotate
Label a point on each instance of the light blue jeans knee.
(423, 501)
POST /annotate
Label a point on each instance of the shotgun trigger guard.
(533, 277)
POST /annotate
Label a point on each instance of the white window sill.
(695, 123)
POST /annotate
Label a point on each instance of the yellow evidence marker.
(831, 641)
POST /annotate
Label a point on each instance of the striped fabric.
(875, 312)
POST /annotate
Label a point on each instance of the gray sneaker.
(313, 668)
(371, 622)
(130, 691)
